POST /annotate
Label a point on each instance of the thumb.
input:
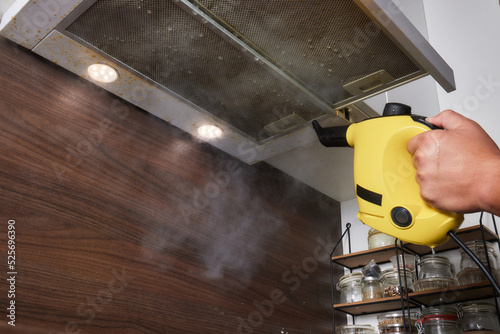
(448, 119)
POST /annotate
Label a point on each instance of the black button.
(401, 217)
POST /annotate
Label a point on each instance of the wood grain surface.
(126, 224)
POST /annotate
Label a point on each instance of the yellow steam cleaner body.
(387, 192)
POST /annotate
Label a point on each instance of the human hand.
(458, 168)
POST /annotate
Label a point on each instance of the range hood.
(260, 70)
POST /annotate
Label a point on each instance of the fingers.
(424, 142)
(413, 144)
(448, 120)
(424, 149)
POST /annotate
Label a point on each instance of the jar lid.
(439, 311)
(478, 307)
(397, 314)
(437, 259)
(478, 246)
(442, 318)
(392, 273)
(397, 328)
(356, 275)
(373, 231)
(356, 328)
(371, 279)
(352, 277)
(478, 243)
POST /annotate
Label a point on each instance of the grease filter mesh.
(312, 40)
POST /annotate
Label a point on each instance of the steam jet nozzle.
(334, 136)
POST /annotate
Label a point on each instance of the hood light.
(209, 131)
(102, 73)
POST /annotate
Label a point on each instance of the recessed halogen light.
(209, 131)
(102, 73)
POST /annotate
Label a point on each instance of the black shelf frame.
(414, 299)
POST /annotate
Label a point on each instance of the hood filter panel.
(327, 43)
(322, 45)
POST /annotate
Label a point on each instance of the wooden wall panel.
(126, 224)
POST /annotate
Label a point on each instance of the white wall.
(4, 5)
(466, 34)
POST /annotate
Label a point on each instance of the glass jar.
(372, 288)
(397, 329)
(435, 266)
(409, 261)
(350, 288)
(441, 310)
(356, 329)
(439, 320)
(477, 247)
(378, 239)
(441, 326)
(399, 318)
(390, 280)
(479, 316)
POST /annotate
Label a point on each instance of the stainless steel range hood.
(261, 70)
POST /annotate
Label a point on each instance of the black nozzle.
(392, 109)
(331, 137)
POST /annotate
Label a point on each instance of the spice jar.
(378, 239)
(390, 280)
(479, 316)
(350, 288)
(439, 320)
(477, 247)
(397, 329)
(372, 288)
(397, 320)
(435, 266)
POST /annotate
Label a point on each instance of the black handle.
(395, 109)
(331, 137)
(421, 119)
